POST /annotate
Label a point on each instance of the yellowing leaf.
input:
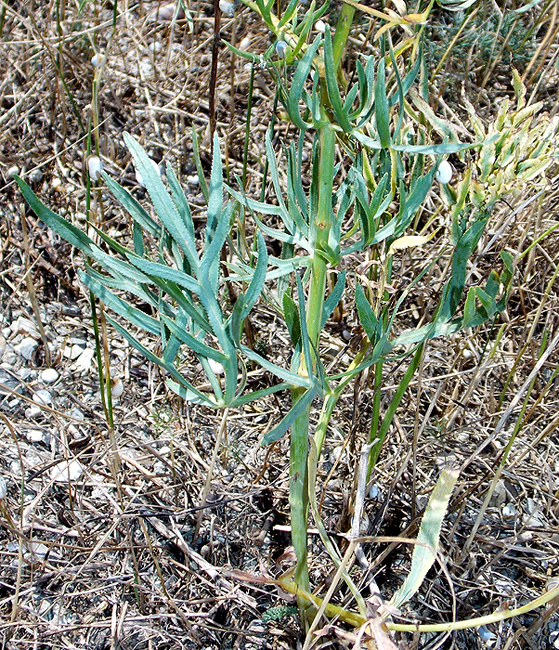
(410, 241)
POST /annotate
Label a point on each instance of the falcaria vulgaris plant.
(377, 156)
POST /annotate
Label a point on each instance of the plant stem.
(298, 482)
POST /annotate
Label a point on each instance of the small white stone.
(42, 396)
(38, 549)
(26, 347)
(64, 471)
(56, 183)
(13, 171)
(227, 8)
(25, 326)
(77, 414)
(245, 43)
(444, 172)
(76, 351)
(320, 26)
(338, 453)
(488, 638)
(49, 375)
(3, 488)
(2, 346)
(36, 435)
(32, 412)
(83, 362)
(281, 49)
(508, 511)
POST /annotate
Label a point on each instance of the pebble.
(83, 362)
(25, 326)
(245, 43)
(2, 346)
(508, 511)
(227, 8)
(26, 347)
(74, 352)
(42, 396)
(32, 412)
(49, 375)
(37, 435)
(488, 638)
(64, 471)
(338, 453)
(77, 414)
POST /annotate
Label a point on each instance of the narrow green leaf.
(298, 82)
(164, 272)
(292, 378)
(184, 211)
(215, 200)
(257, 283)
(193, 343)
(330, 72)
(304, 332)
(131, 314)
(333, 299)
(278, 431)
(382, 109)
(133, 207)
(367, 318)
(162, 202)
(199, 169)
(258, 394)
(291, 316)
(60, 226)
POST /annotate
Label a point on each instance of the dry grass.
(109, 559)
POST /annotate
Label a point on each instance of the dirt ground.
(103, 543)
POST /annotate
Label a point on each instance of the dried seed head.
(95, 167)
(281, 49)
(98, 59)
(444, 172)
(117, 388)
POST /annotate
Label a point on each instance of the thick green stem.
(298, 484)
(321, 230)
(299, 495)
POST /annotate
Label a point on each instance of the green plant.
(382, 128)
